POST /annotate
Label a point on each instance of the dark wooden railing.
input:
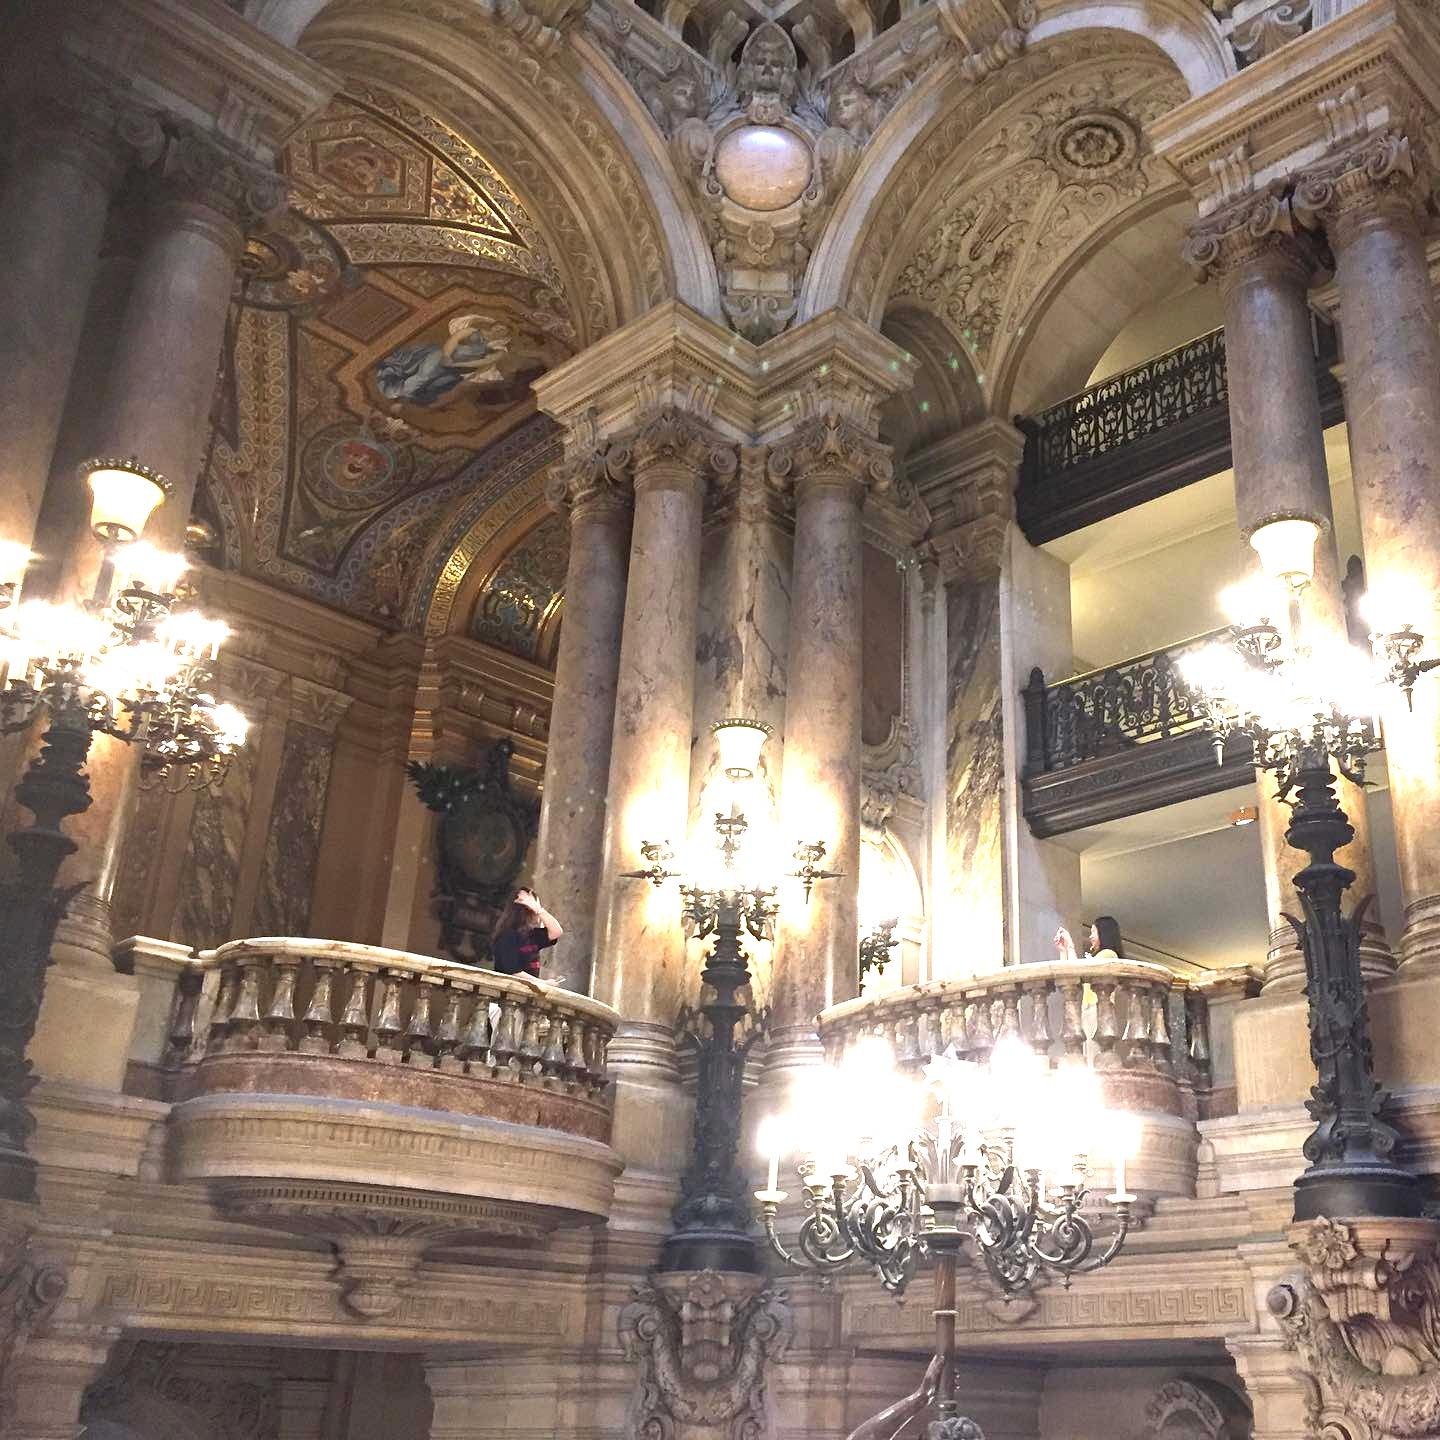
(1140, 434)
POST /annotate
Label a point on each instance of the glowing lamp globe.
(1287, 550)
(123, 495)
(740, 742)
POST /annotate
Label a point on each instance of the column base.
(1375, 1189)
(1420, 940)
(1285, 961)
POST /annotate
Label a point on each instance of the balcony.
(387, 1103)
(1146, 1031)
(1119, 741)
(1138, 435)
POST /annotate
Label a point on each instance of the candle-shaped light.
(1124, 1141)
(771, 1140)
(14, 557)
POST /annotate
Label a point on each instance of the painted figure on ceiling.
(429, 373)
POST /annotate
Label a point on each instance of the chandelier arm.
(1097, 1262)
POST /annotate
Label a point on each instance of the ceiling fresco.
(518, 606)
(377, 377)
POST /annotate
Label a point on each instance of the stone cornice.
(1266, 123)
(673, 357)
(205, 63)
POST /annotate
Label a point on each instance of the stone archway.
(1196, 1409)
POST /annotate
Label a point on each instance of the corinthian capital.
(1376, 178)
(832, 449)
(199, 167)
(594, 479)
(673, 440)
(1257, 229)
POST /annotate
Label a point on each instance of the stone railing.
(327, 1017)
(1134, 1019)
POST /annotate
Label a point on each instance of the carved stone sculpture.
(703, 1343)
(1364, 1320)
(30, 1288)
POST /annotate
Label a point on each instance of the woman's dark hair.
(512, 917)
(1107, 932)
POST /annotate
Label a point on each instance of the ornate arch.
(1005, 186)
(936, 130)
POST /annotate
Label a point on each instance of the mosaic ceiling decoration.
(518, 607)
(389, 327)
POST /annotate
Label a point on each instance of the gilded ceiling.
(386, 332)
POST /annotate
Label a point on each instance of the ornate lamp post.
(1307, 716)
(712, 1219)
(895, 1168)
(131, 662)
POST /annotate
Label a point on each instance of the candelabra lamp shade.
(123, 495)
(739, 742)
(1286, 547)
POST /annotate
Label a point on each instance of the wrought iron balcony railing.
(1140, 434)
(1109, 710)
(1092, 743)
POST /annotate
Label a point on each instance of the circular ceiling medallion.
(1094, 146)
(349, 468)
(762, 167)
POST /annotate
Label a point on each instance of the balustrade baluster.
(1197, 1014)
(224, 1007)
(318, 1020)
(474, 1046)
(1072, 1018)
(354, 1041)
(552, 1057)
(508, 1031)
(1107, 1022)
(1009, 1006)
(1160, 1055)
(597, 1049)
(1136, 1034)
(1038, 1033)
(388, 1029)
(980, 1028)
(243, 1031)
(447, 1032)
(274, 1033)
(530, 1046)
(575, 1062)
(420, 1033)
(180, 1033)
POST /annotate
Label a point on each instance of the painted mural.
(385, 334)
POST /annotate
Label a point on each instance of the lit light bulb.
(231, 725)
(1394, 603)
(192, 634)
(49, 632)
(153, 569)
(1287, 549)
(1254, 600)
(14, 559)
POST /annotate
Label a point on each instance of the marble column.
(1370, 201)
(1264, 264)
(831, 464)
(157, 407)
(640, 947)
(741, 656)
(65, 166)
(577, 758)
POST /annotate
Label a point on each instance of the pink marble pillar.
(817, 958)
(577, 760)
(64, 170)
(1371, 203)
(640, 949)
(1265, 266)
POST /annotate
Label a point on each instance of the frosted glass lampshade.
(123, 495)
(1287, 550)
(740, 743)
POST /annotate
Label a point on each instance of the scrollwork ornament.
(673, 438)
(1253, 228)
(831, 448)
(1379, 175)
(702, 1355)
(594, 482)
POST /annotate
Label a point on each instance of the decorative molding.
(30, 1289)
(1364, 1320)
(151, 1377)
(1255, 228)
(1205, 1410)
(703, 1344)
(833, 447)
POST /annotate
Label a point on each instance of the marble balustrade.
(337, 1001)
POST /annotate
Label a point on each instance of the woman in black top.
(524, 929)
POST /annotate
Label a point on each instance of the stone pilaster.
(1264, 263)
(1370, 197)
(51, 1378)
(1006, 609)
(593, 487)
